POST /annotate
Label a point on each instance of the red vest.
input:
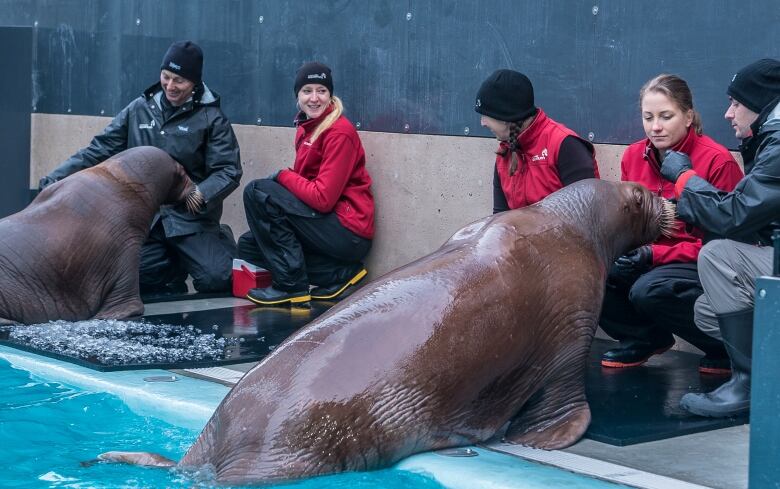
(710, 160)
(536, 176)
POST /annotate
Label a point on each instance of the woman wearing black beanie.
(312, 224)
(536, 155)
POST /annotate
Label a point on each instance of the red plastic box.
(247, 276)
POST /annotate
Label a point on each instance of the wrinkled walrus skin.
(73, 253)
(493, 327)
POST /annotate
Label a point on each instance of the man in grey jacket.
(182, 116)
(745, 220)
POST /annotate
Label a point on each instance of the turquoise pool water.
(48, 428)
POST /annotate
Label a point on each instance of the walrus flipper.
(145, 459)
(122, 300)
(121, 305)
(556, 417)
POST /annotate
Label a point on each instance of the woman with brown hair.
(651, 290)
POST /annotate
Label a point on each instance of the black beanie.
(506, 95)
(313, 73)
(184, 58)
(757, 84)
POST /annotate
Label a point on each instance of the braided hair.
(513, 148)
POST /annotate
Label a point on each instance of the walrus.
(73, 253)
(492, 328)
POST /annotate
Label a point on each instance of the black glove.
(674, 165)
(638, 261)
(45, 182)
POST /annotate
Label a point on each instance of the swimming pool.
(54, 415)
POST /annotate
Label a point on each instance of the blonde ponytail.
(338, 109)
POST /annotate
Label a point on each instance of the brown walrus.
(73, 253)
(493, 327)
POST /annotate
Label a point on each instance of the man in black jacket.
(745, 218)
(180, 115)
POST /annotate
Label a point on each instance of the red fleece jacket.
(330, 174)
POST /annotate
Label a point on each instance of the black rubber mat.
(184, 296)
(250, 333)
(641, 404)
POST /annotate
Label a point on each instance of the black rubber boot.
(271, 296)
(632, 354)
(340, 290)
(733, 397)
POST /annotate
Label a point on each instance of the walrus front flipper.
(553, 418)
(145, 459)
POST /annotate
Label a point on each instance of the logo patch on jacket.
(184, 128)
(147, 126)
(540, 157)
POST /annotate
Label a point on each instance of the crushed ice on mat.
(114, 342)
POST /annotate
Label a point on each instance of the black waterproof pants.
(207, 256)
(298, 245)
(653, 306)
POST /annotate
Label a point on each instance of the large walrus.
(493, 327)
(73, 253)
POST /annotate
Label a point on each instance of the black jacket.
(197, 135)
(752, 210)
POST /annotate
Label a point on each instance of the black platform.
(184, 296)
(252, 333)
(628, 406)
(641, 404)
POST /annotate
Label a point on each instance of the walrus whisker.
(667, 218)
(195, 200)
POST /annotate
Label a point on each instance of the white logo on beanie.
(321, 76)
(734, 77)
(479, 103)
(174, 65)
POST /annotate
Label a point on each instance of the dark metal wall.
(15, 69)
(402, 66)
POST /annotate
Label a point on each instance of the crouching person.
(312, 225)
(745, 218)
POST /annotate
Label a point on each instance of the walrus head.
(618, 216)
(185, 190)
(150, 173)
(649, 215)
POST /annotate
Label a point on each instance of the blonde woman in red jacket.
(312, 224)
(651, 291)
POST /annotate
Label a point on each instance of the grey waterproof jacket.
(197, 135)
(752, 210)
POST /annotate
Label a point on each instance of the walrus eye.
(638, 197)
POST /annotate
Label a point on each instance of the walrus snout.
(652, 214)
(184, 190)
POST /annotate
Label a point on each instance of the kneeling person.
(181, 116)
(651, 291)
(312, 224)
